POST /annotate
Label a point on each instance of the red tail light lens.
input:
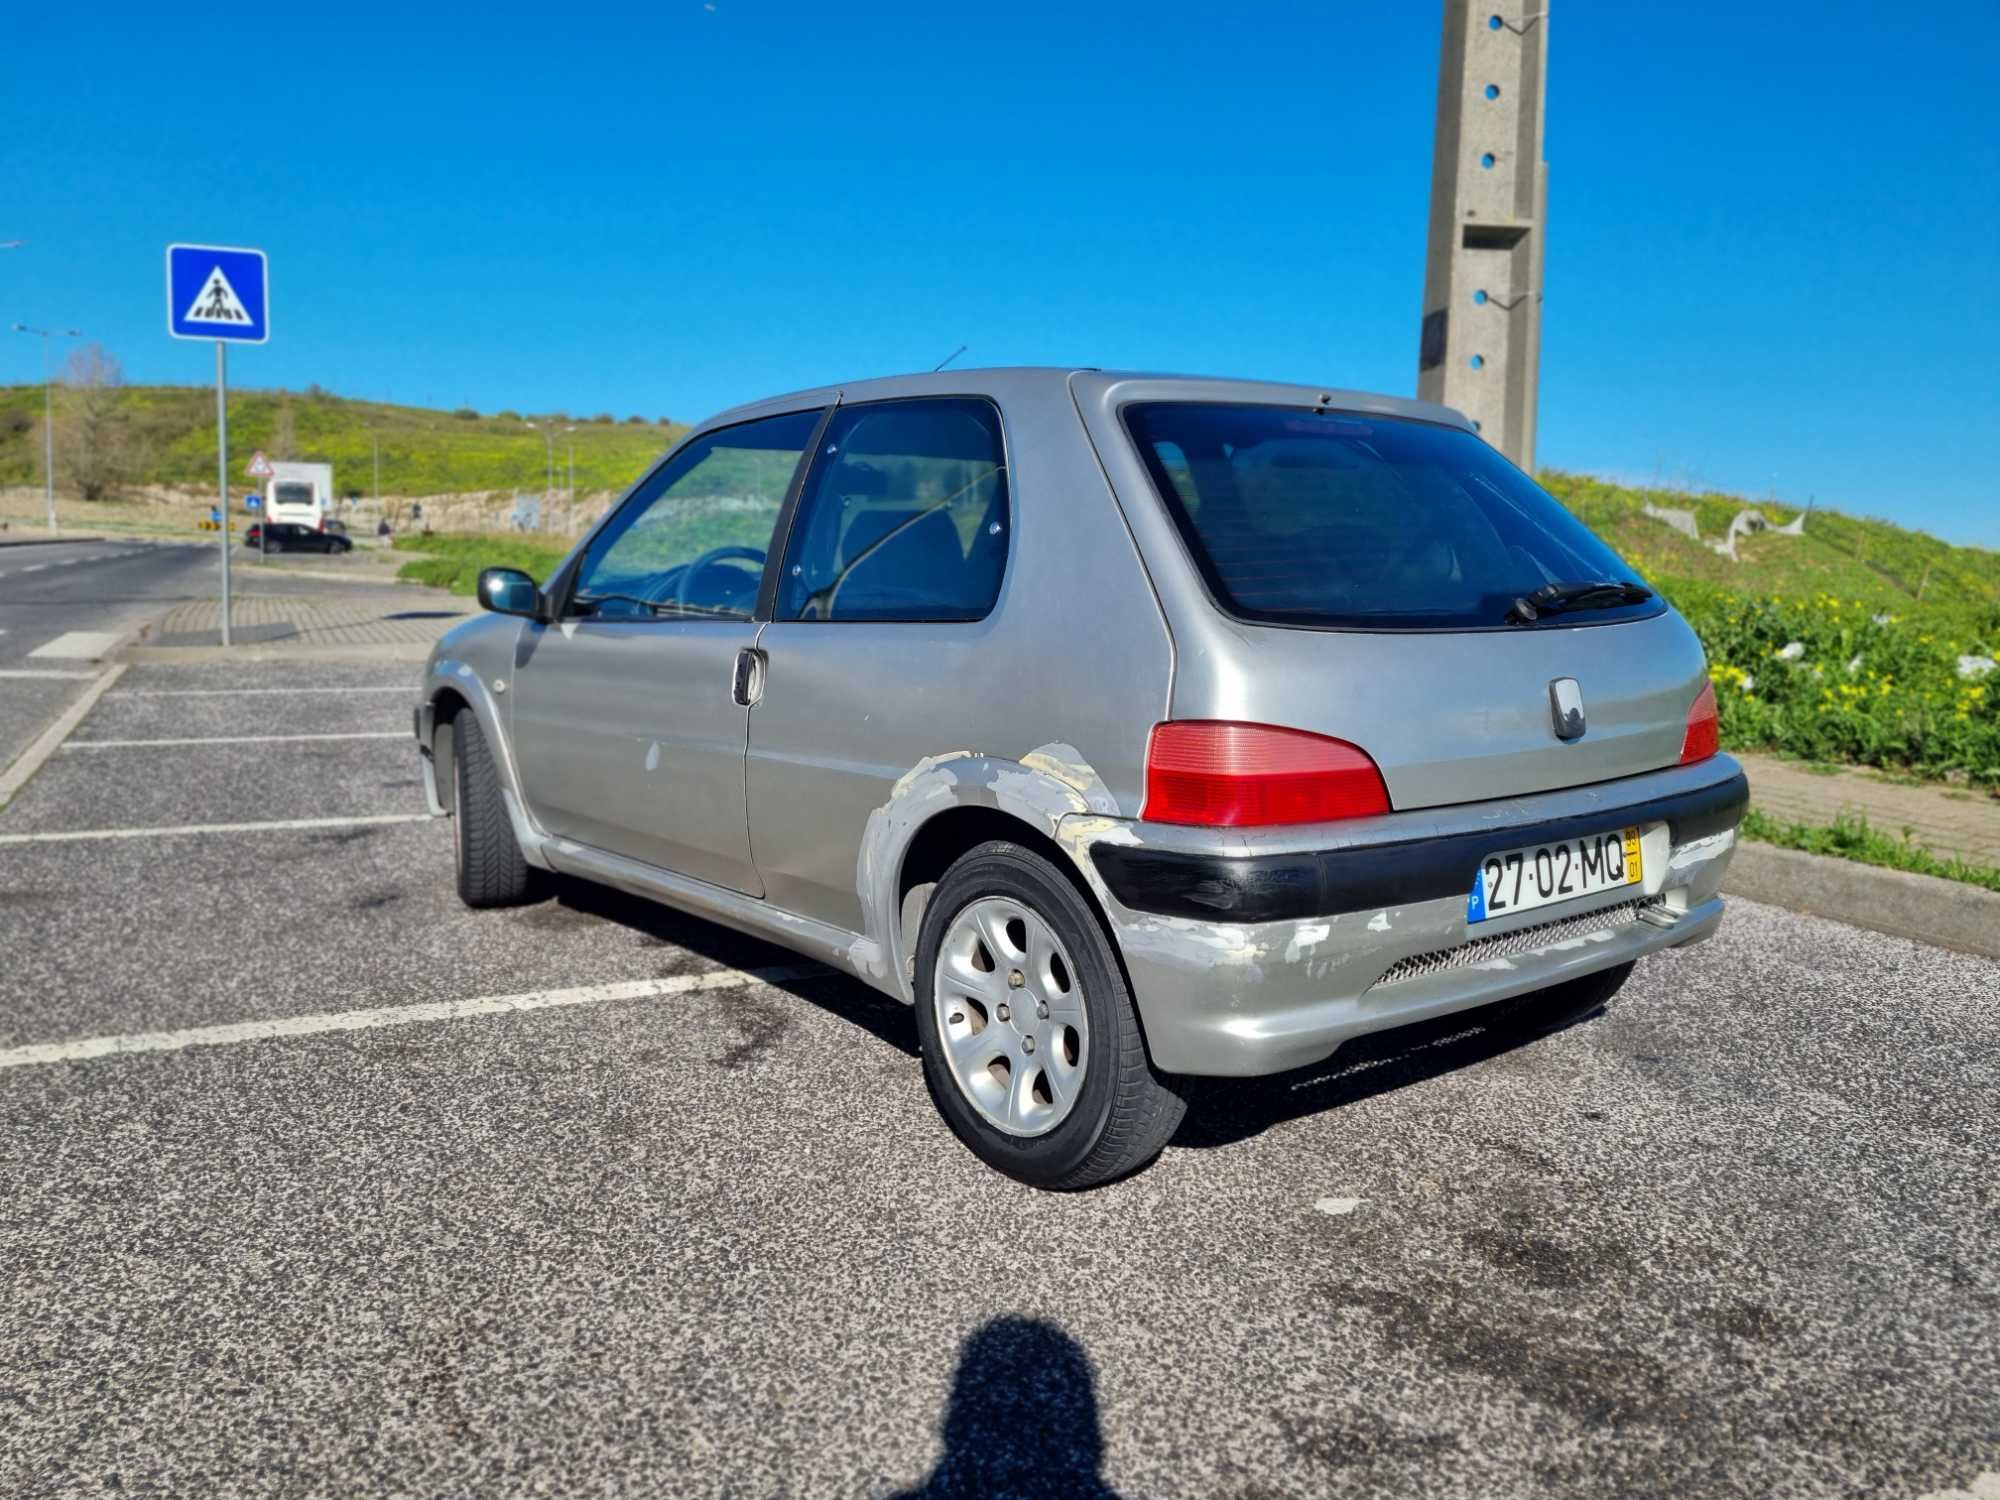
(1226, 775)
(1704, 729)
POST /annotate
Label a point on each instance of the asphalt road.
(49, 590)
(1734, 1236)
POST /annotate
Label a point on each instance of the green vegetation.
(1852, 838)
(453, 562)
(1839, 645)
(166, 435)
(1832, 679)
(1885, 566)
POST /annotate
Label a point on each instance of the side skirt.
(749, 914)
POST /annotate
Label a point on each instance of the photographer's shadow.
(1022, 1419)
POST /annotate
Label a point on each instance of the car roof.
(1149, 385)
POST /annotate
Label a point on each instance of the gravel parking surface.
(1733, 1236)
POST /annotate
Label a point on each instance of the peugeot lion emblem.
(1566, 708)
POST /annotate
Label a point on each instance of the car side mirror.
(509, 591)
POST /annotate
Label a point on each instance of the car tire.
(491, 870)
(1119, 1111)
(1559, 1005)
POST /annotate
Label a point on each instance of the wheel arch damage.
(944, 805)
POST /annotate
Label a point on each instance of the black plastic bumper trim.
(1366, 877)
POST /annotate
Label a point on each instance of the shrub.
(1869, 686)
(466, 414)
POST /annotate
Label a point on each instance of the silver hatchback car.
(1129, 727)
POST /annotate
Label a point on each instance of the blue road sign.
(218, 292)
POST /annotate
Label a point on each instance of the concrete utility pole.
(1482, 330)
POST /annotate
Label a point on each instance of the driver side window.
(692, 540)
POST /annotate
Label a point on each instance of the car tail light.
(1704, 729)
(1227, 775)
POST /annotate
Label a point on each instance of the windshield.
(292, 494)
(1301, 517)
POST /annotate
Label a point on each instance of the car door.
(875, 647)
(629, 720)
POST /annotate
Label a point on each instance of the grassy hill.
(1879, 563)
(166, 435)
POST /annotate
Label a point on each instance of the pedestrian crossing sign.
(218, 292)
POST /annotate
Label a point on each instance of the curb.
(50, 740)
(50, 541)
(1923, 908)
(189, 656)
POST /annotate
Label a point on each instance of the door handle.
(747, 685)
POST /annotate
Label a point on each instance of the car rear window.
(1329, 519)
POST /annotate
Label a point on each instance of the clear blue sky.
(1772, 263)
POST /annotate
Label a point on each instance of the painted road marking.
(32, 758)
(400, 1015)
(79, 645)
(395, 687)
(178, 830)
(34, 567)
(236, 739)
(51, 674)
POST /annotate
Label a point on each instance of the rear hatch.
(1393, 582)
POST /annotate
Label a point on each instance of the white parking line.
(237, 739)
(396, 687)
(399, 1015)
(178, 830)
(52, 674)
(33, 757)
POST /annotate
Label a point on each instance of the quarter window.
(692, 540)
(905, 516)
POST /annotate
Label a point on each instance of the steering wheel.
(708, 560)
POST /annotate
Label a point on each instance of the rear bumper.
(1422, 865)
(1333, 932)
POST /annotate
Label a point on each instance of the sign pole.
(219, 292)
(222, 468)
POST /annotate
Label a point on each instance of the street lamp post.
(48, 408)
(571, 519)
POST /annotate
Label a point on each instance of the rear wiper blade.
(1556, 598)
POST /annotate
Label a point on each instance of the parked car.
(289, 536)
(1130, 728)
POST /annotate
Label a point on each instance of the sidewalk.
(1961, 821)
(393, 624)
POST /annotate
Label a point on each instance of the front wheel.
(491, 871)
(1031, 1044)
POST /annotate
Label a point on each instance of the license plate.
(1523, 879)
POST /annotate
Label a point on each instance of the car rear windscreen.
(1336, 520)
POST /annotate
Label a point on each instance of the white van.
(302, 493)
